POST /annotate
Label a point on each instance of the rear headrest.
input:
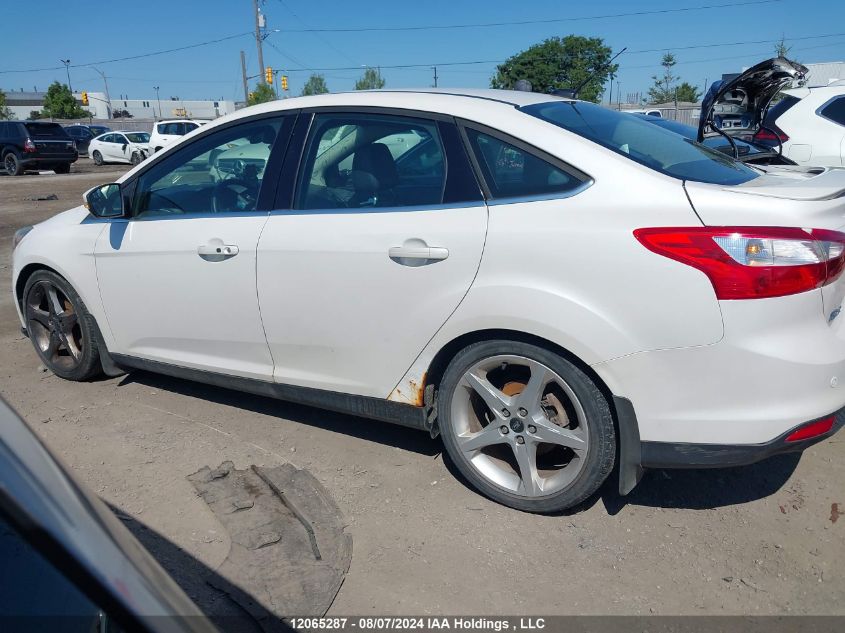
(376, 161)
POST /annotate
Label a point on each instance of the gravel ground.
(756, 540)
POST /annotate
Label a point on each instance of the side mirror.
(105, 201)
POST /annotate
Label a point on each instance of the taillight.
(770, 134)
(753, 262)
(29, 146)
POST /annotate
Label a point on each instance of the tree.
(262, 94)
(119, 113)
(370, 80)
(60, 104)
(687, 92)
(316, 85)
(558, 63)
(34, 115)
(5, 112)
(663, 89)
(781, 49)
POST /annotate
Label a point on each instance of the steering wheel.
(234, 194)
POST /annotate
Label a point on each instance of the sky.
(94, 33)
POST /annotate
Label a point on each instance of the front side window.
(219, 173)
(510, 171)
(362, 161)
(835, 111)
(643, 142)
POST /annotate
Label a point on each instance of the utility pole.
(158, 100)
(259, 23)
(243, 72)
(108, 98)
(66, 62)
(435, 76)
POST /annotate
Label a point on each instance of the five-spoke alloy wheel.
(59, 326)
(525, 426)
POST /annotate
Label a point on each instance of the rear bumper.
(34, 160)
(682, 455)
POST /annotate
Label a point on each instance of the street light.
(66, 62)
(159, 101)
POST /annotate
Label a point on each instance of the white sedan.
(553, 287)
(120, 147)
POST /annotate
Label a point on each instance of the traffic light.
(84, 98)
(268, 75)
(284, 82)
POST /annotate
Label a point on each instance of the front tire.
(525, 426)
(60, 327)
(98, 158)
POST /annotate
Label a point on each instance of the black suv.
(35, 145)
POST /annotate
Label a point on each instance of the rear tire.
(525, 426)
(64, 168)
(98, 158)
(13, 164)
(60, 327)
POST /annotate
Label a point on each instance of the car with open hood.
(736, 108)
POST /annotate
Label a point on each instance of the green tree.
(687, 92)
(60, 104)
(5, 112)
(262, 94)
(558, 63)
(781, 49)
(34, 115)
(663, 89)
(370, 80)
(316, 85)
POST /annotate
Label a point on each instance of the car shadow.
(703, 489)
(209, 591)
(363, 428)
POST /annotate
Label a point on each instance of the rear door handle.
(216, 251)
(433, 253)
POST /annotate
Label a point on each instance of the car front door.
(177, 276)
(367, 256)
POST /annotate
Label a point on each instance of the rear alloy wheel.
(525, 426)
(13, 165)
(60, 327)
(98, 157)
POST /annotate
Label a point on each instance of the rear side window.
(514, 172)
(45, 130)
(834, 110)
(361, 161)
(190, 127)
(776, 111)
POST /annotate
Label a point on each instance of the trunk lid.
(809, 198)
(737, 106)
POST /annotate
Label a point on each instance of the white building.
(22, 103)
(824, 73)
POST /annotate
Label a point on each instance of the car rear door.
(364, 261)
(177, 277)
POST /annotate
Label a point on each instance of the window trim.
(294, 165)
(827, 103)
(587, 181)
(270, 181)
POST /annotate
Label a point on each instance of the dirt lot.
(758, 540)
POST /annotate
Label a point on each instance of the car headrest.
(374, 160)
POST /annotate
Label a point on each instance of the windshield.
(138, 137)
(643, 142)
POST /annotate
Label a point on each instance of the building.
(824, 73)
(23, 103)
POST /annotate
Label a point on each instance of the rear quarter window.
(834, 110)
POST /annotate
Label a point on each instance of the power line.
(438, 27)
(130, 57)
(325, 40)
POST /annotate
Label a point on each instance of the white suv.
(553, 287)
(810, 122)
(165, 132)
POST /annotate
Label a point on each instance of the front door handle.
(217, 251)
(418, 253)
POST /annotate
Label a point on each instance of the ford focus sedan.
(551, 287)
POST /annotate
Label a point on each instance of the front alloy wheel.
(525, 426)
(59, 327)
